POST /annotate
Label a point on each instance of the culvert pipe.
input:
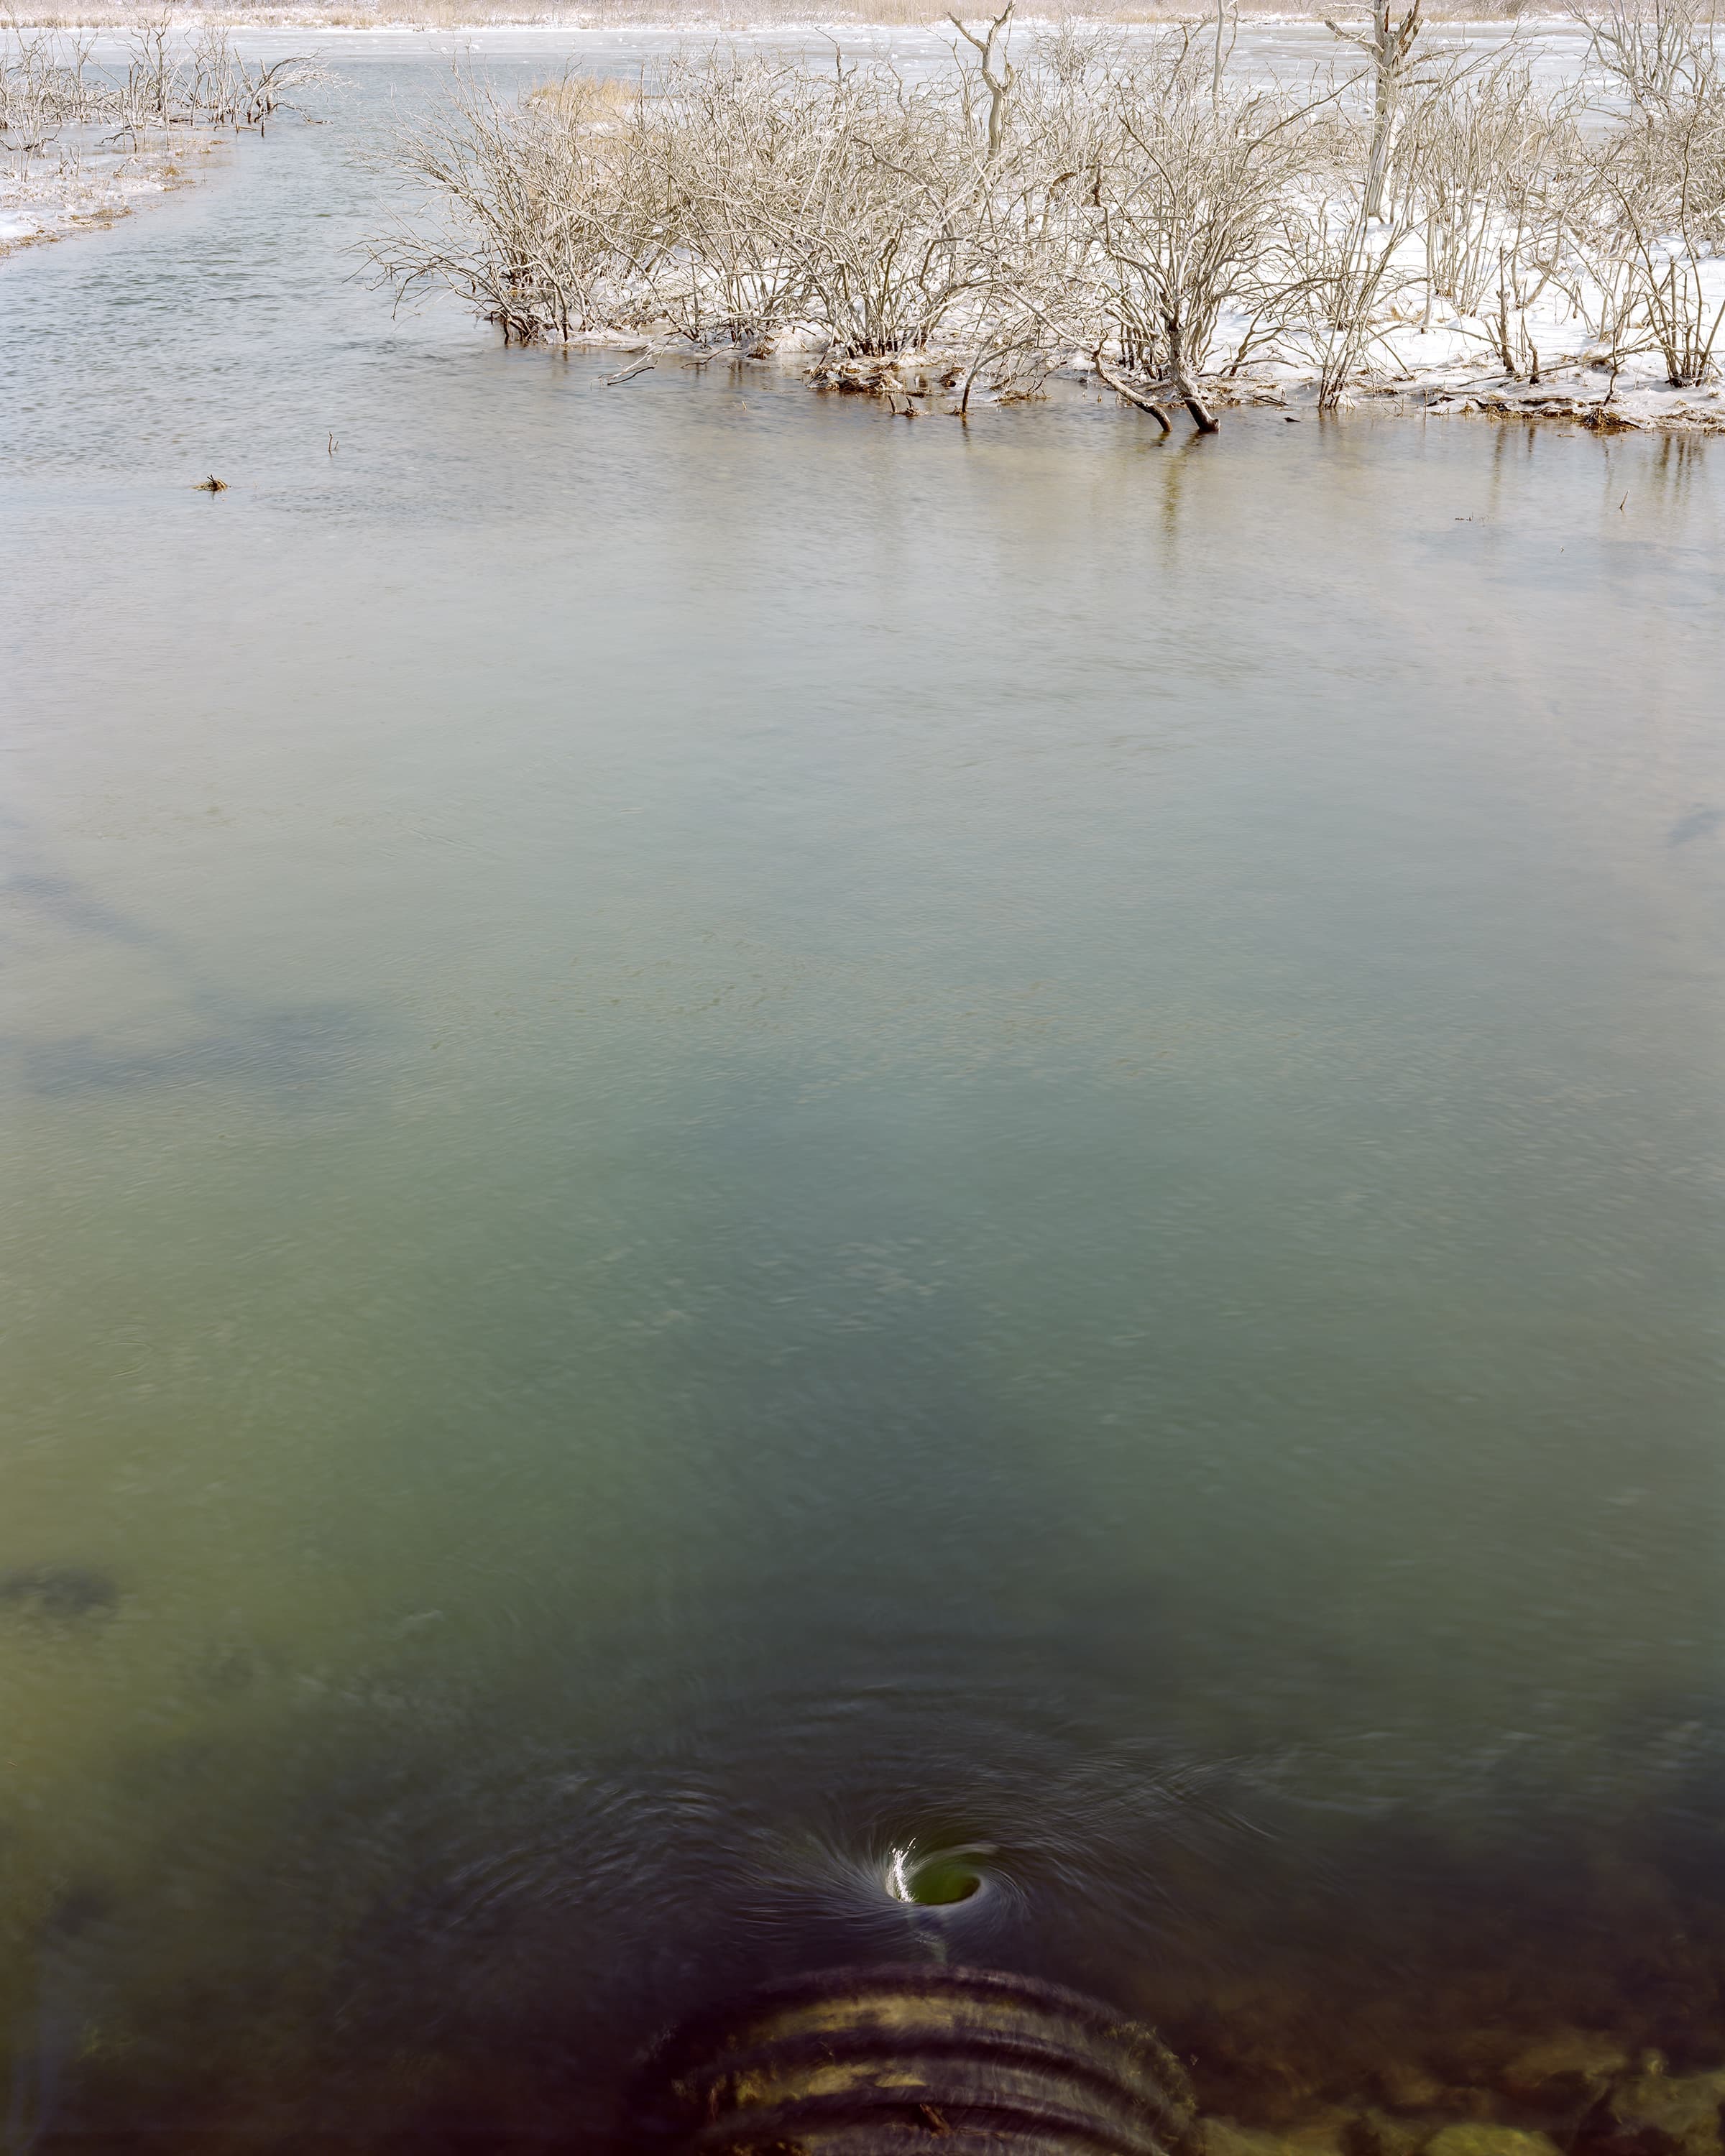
(915, 2061)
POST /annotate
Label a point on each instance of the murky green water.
(737, 1136)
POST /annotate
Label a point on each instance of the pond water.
(740, 1137)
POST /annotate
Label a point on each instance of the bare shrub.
(533, 210)
(1142, 206)
(48, 82)
(1132, 207)
(885, 238)
(732, 151)
(1658, 210)
(1342, 277)
(1187, 208)
(1489, 167)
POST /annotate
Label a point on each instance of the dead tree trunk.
(1181, 374)
(1000, 84)
(1389, 44)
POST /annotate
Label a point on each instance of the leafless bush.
(1186, 203)
(884, 232)
(536, 210)
(1658, 55)
(1132, 207)
(48, 83)
(1645, 289)
(730, 155)
(1658, 172)
(1341, 279)
(1490, 167)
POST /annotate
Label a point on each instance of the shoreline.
(93, 193)
(913, 386)
(338, 19)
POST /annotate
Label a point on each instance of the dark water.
(738, 1136)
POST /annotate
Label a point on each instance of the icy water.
(738, 1136)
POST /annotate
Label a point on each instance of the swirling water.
(743, 1143)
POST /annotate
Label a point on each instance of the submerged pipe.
(885, 2061)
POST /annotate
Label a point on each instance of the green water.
(737, 1138)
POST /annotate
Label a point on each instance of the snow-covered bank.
(1434, 360)
(84, 139)
(1635, 396)
(52, 196)
(931, 383)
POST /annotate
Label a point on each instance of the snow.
(50, 196)
(1451, 365)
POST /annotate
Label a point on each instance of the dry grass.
(582, 100)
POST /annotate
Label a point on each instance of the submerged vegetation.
(1129, 207)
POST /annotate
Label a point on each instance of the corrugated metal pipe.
(916, 2061)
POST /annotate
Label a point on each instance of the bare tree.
(1389, 46)
(999, 80)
